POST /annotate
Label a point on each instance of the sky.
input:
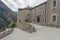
(15, 4)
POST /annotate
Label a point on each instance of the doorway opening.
(38, 19)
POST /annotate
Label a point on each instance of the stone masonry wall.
(27, 27)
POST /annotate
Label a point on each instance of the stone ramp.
(27, 27)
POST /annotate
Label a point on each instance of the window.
(19, 20)
(54, 18)
(26, 20)
(28, 14)
(54, 3)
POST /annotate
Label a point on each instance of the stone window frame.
(52, 4)
(52, 18)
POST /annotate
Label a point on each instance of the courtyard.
(42, 33)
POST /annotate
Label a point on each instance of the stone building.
(47, 13)
(38, 14)
(23, 19)
(24, 15)
(53, 12)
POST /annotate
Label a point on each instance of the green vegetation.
(11, 24)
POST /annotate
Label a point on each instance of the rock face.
(6, 13)
(27, 27)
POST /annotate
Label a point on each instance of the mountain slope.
(6, 14)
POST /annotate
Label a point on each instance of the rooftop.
(28, 7)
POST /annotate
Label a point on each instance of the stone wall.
(26, 27)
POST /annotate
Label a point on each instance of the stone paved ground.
(42, 33)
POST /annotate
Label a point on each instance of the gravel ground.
(42, 33)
